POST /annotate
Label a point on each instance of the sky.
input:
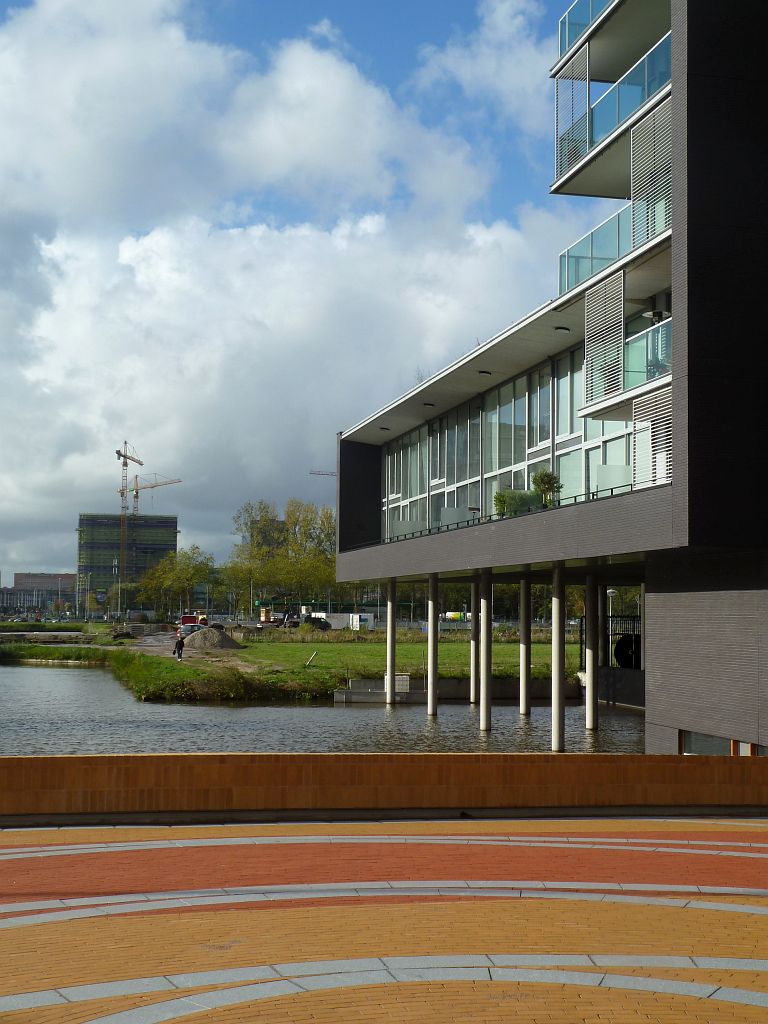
(231, 228)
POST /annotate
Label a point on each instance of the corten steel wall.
(305, 784)
(627, 523)
(706, 647)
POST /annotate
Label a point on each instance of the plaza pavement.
(590, 920)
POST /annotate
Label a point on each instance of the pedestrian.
(178, 648)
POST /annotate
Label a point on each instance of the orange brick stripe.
(216, 867)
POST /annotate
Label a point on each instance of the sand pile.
(208, 638)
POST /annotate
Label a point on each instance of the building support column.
(558, 658)
(486, 632)
(474, 641)
(642, 626)
(391, 638)
(432, 637)
(525, 647)
(591, 630)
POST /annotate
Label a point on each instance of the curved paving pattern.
(610, 919)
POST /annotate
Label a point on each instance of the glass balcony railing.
(651, 73)
(648, 355)
(577, 19)
(599, 249)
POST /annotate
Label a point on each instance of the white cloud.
(505, 60)
(229, 356)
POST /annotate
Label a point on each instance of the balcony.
(640, 83)
(597, 250)
(589, 122)
(577, 19)
(648, 355)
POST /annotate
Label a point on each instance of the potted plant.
(547, 484)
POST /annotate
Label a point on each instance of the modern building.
(148, 539)
(39, 592)
(638, 385)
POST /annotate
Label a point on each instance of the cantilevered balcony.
(640, 83)
(603, 246)
(586, 121)
(577, 19)
(648, 356)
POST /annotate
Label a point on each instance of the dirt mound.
(208, 638)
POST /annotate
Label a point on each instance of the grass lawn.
(368, 660)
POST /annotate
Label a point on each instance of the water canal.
(55, 710)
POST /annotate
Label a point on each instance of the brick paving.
(556, 939)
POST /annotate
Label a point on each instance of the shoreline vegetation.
(275, 671)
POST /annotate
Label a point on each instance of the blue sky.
(231, 228)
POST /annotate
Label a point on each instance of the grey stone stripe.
(292, 978)
(713, 848)
(365, 888)
(492, 890)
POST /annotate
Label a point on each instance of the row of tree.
(289, 559)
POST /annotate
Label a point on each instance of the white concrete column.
(642, 626)
(432, 637)
(558, 658)
(525, 647)
(591, 632)
(474, 641)
(391, 635)
(486, 633)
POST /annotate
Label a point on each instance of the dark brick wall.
(720, 227)
(627, 523)
(358, 494)
(706, 645)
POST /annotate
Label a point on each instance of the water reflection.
(76, 710)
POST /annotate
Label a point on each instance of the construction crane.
(142, 483)
(128, 454)
(322, 472)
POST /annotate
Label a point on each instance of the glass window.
(443, 433)
(506, 400)
(533, 410)
(520, 449)
(577, 392)
(435, 451)
(450, 449)
(462, 438)
(569, 472)
(518, 480)
(534, 467)
(473, 495)
(413, 453)
(423, 459)
(593, 429)
(563, 395)
(474, 440)
(545, 411)
(700, 743)
(490, 433)
(592, 460)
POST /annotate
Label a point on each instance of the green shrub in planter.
(511, 503)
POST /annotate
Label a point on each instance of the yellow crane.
(143, 483)
(128, 454)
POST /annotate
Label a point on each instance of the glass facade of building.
(447, 471)
(149, 539)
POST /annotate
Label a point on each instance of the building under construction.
(148, 539)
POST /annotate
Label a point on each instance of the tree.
(547, 484)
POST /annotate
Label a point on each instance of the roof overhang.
(549, 330)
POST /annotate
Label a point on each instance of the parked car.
(187, 629)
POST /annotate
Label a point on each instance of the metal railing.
(533, 509)
(651, 73)
(598, 249)
(577, 19)
(648, 355)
